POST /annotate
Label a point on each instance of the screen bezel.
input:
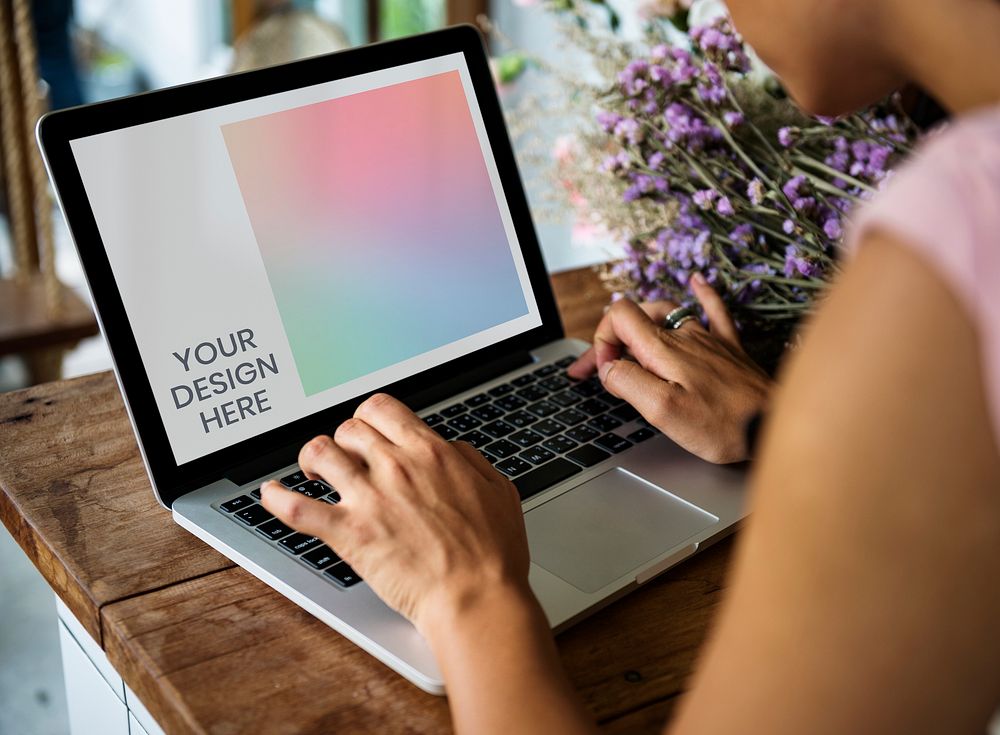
(57, 129)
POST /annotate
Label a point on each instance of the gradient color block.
(378, 226)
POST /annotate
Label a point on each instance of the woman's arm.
(866, 596)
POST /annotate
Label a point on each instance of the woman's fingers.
(312, 517)
(392, 419)
(586, 364)
(650, 395)
(628, 327)
(719, 320)
(358, 438)
(321, 457)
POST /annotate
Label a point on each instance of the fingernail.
(603, 370)
(698, 279)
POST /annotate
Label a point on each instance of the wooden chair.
(40, 317)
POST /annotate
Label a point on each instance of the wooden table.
(209, 649)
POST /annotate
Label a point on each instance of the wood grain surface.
(209, 649)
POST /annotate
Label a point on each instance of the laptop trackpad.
(609, 526)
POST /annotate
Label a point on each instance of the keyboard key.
(566, 398)
(453, 411)
(547, 370)
(294, 479)
(489, 457)
(522, 380)
(625, 412)
(520, 419)
(511, 403)
(559, 444)
(555, 383)
(254, 515)
(588, 388)
(320, 558)
(475, 438)
(236, 503)
(299, 543)
(488, 413)
(255, 494)
(513, 466)
(592, 407)
(588, 455)
(434, 419)
(605, 423)
(502, 449)
(273, 530)
(446, 431)
(526, 438)
(548, 427)
(477, 400)
(464, 422)
(333, 498)
(343, 575)
(570, 417)
(543, 409)
(582, 434)
(566, 361)
(532, 393)
(501, 390)
(497, 429)
(537, 455)
(613, 443)
(641, 435)
(313, 489)
(544, 477)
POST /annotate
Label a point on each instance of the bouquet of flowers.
(696, 161)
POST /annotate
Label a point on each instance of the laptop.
(265, 250)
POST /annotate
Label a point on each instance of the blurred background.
(61, 53)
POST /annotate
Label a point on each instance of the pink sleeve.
(945, 204)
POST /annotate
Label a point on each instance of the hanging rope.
(31, 106)
(18, 193)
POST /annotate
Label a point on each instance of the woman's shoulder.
(945, 203)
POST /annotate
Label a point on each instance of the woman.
(866, 591)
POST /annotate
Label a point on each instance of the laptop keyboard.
(538, 429)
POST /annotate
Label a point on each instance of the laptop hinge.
(260, 466)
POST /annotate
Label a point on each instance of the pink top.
(945, 204)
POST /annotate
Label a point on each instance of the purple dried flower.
(608, 120)
(788, 226)
(742, 235)
(833, 228)
(629, 129)
(725, 207)
(792, 189)
(798, 264)
(705, 198)
(755, 191)
(733, 119)
(788, 137)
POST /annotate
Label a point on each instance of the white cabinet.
(98, 700)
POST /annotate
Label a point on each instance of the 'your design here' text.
(235, 376)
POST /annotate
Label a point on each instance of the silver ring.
(678, 317)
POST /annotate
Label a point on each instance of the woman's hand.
(431, 526)
(697, 386)
(439, 535)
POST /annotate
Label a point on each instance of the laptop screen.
(284, 254)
